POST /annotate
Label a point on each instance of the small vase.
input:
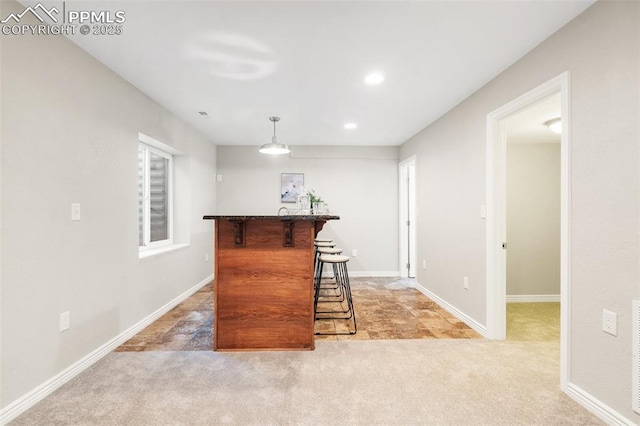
(318, 208)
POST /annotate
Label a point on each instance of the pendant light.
(274, 148)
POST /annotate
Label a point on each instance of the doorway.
(408, 213)
(533, 221)
(496, 212)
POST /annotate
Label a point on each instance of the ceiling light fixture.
(555, 125)
(373, 79)
(274, 148)
(350, 126)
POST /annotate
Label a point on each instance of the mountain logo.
(36, 11)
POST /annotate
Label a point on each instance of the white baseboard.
(36, 395)
(359, 274)
(533, 298)
(597, 407)
(328, 273)
(481, 329)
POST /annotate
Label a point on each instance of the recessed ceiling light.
(555, 125)
(203, 114)
(350, 126)
(373, 79)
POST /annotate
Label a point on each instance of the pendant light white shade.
(274, 148)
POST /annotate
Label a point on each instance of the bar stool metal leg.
(328, 291)
(342, 279)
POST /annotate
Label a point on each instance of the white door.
(407, 213)
(411, 219)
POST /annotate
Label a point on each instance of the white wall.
(359, 184)
(601, 50)
(69, 135)
(533, 218)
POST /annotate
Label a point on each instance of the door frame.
(496, 213)
(403, 190)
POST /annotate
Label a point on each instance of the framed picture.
(290, 186)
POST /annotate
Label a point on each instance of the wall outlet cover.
(65, 321)
(610, 322)
(75, 211)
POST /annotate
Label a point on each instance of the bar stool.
(317, 245)
(342, 279)
(328, 243)
(333, 286)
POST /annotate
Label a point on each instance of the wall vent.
(635, 351)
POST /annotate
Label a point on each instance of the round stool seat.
(334, 258)
(323, 240)
(323, 244)
(329, 250)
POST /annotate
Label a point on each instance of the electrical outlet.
(465, 283)
(354, 253)
(610, 322)
(424, 263)
(65, 321)
(218, 178)
(206, 257)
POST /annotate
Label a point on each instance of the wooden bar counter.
(263, 289)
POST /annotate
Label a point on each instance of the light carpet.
(533, 321)
(390, 382)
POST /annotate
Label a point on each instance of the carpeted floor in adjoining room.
(374, 382)
(539, 321)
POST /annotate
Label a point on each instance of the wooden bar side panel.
(264, 291)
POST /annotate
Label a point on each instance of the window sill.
(161, 250)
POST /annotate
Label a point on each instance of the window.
(155, 194)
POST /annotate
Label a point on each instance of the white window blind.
(154, 197)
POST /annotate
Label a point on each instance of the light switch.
(75, 211)
(219, 178)
(483, 211)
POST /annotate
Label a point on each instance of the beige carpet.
(533, 321)
(382, 382)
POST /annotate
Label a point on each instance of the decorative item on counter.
(303, 202)
(284, 211)
(317, 204)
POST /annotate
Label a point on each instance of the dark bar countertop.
(289, 217)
